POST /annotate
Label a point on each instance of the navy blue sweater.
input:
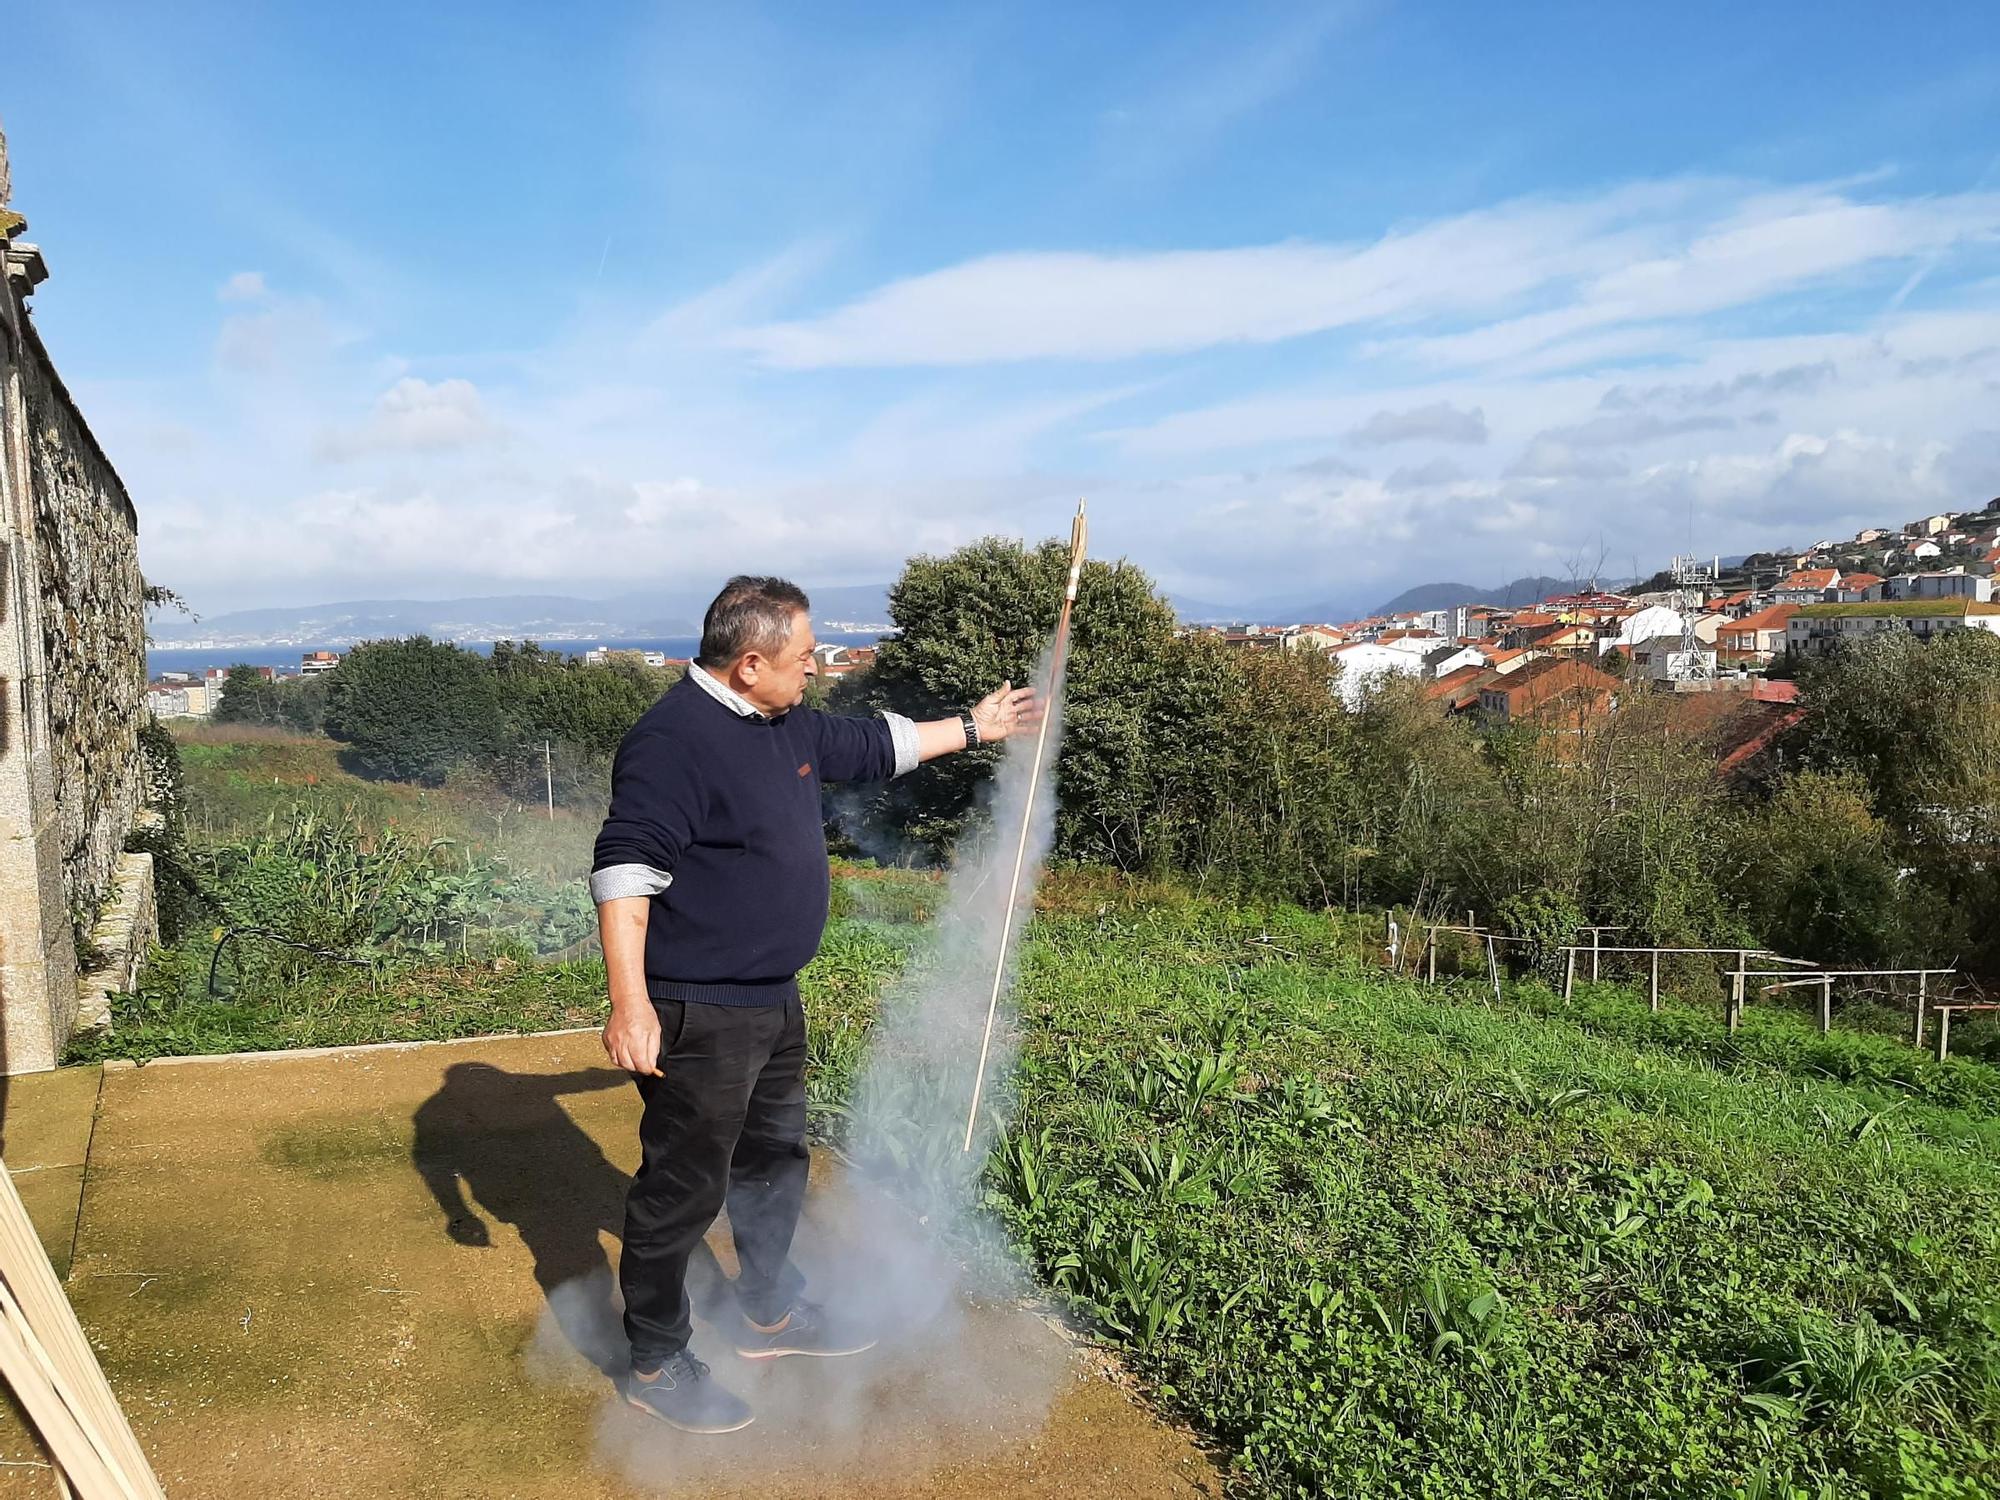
(729, 806)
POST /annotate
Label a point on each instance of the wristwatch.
(971, 728)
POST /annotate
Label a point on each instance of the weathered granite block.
(123, 935)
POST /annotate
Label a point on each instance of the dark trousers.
(726, 1124)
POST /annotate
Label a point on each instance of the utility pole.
(549, 777)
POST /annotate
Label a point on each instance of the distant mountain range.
(549, 618)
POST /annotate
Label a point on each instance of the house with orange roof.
(1459, 691)
(1325, 637)
(1854, 588)
(1556, 687)
(1564, 637)
(1806, 586)
(1511, 660)
(1755, 639)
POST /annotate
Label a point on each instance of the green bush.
(1546, 922)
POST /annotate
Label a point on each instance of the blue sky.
(1313, 302)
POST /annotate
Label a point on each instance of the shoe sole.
(814, 1353)
(660, 1416)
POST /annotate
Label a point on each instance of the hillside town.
(1697, 627)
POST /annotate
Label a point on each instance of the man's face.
(778, 683)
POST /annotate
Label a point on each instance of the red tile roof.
(1461, 688)
(1547, 683)
(1773, 618)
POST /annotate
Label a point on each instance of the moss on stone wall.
(93, 632)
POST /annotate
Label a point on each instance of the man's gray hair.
(750, 614)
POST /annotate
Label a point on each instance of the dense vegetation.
(429, 711)
(1381, 1239)
(1867, 837)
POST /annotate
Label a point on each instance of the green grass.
(1382, 1239)
(1897, 607)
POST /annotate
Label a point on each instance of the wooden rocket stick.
(1056, 655)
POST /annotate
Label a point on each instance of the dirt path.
(380, 1272)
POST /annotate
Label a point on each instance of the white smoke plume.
(897, 1239)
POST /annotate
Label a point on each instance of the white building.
(1364, 665)
(1820, 628)
(1653, 621)
(1957, 584)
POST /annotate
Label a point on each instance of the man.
(711, 883)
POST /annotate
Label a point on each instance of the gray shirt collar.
(723, 693)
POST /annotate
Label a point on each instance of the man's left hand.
(1005, 711)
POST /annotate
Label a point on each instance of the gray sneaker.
(682, 1394)
(807, 1329)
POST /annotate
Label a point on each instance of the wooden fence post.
(1654, 999)
(1493, 966)
(1944, 1031)
(1596, 939)
(1736, 992)
(1431, 954)
(1569, 972)
(1825, 1005)
(1923, 989)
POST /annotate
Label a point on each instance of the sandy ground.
(377, 1272)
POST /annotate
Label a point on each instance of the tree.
(1177, 754)
(302, 703)
(412, 709)
(248, 697)
(985, 614)
(1818, 874)
(1919, 723)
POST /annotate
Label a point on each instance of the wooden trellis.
(1796, 973)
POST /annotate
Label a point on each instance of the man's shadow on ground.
(502, 1139)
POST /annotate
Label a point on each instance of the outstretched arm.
(1005, 711)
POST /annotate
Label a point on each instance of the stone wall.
(93, 630)
(72, 686)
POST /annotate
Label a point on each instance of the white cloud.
(414, 416)
(1644, 253)
(702, 319)
(1439, 471)
(1440, 422)
(280, 336)
(1771, 244)
(244, 286)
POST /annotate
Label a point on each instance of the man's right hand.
(632, 1038)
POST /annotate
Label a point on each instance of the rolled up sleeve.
(903, 736)
(614, 881)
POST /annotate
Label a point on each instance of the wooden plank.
(52, 1369)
